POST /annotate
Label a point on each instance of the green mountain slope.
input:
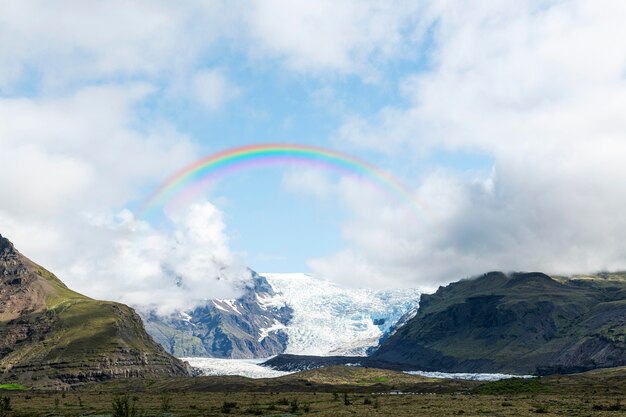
(518, 323)
(51, 335)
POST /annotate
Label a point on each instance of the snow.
(250, 368)
(264, 332)
(231, 304)
(332, 320)
(268, 301)
(467, 376)
(217, 305)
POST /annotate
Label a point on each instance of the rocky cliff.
(516, 323)
(51, 336)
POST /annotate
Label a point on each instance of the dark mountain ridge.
(517, 323)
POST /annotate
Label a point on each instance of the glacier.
(250, 368)
(330, 320)
(285, 313)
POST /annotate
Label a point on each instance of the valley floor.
(337, 391)
(319, 404)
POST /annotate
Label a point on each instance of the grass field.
(13, 387)
(336, 391)
(318, 404)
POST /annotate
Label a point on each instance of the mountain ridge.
(516, 323)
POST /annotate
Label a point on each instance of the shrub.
(124, 406)
(616, 406)
(227, 407)
(5, 405)
(512, 386)
(166, 404)
(294, 405)
(367, 401)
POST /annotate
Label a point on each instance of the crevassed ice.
(332, 320)
(250, 368)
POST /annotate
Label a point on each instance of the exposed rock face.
(238, 329)
(52, 336)
(519, 323)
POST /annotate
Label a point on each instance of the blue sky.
(506, 120)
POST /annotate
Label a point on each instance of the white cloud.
(164, 271)
(70, 42)
(212, 89)
(541, 88)
(83, 150)
(65, 158)
(348, 37)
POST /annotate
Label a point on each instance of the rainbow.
(217, 165)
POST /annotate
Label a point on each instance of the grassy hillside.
(52, 336)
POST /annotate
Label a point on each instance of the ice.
(332, 320)
(250, 368)
(467, 376)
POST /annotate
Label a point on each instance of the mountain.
(251, 326)
(293, 313)
(518, 323)
(52, 336)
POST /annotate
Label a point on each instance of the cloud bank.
(538, 86)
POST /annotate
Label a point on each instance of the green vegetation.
(227, 407)
(512, 386)
(442, 399)
(5, 406)
(13, 387)
(591, 393)
(124, 407)
(340, 375)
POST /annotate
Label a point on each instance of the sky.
(505, 120)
